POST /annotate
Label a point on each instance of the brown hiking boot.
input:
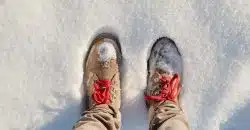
(101, 75)
(164, 73)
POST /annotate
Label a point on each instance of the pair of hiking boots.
(102, 73)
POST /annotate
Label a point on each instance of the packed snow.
(43, 44)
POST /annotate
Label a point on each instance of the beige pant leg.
(101, 117)
(173, 125)
(168, 116)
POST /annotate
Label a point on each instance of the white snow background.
(43, 44)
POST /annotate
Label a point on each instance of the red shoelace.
(101, 93)
(170, 89)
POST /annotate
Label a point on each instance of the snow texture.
(43, 44)
(106, 51)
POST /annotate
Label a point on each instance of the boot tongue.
(108, 69)
(160, 72)
(156, 82)
(165, 87)
(164, 69)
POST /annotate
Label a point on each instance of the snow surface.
(43, 44)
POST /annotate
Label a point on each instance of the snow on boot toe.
(106, 51)
(165, 56)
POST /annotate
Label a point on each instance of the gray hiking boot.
(101, 72)
(164, 73)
